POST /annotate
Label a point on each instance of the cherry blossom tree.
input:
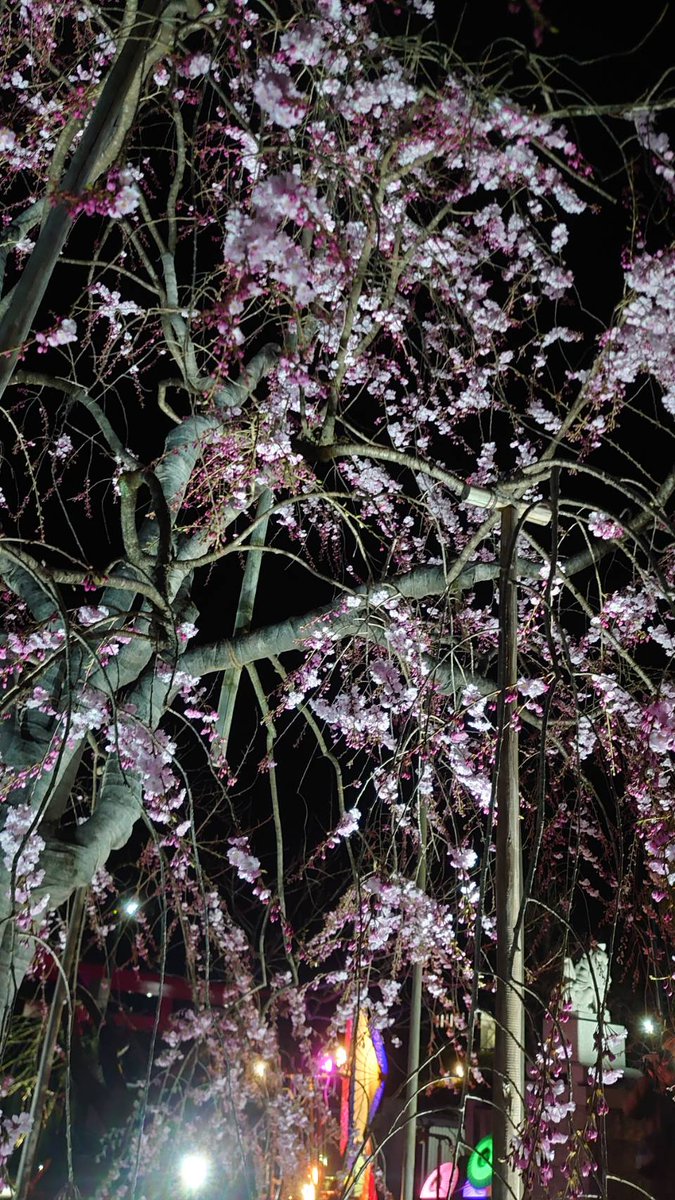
(289, 317)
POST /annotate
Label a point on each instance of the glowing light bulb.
(327, 1065)
(194, 1170)
(315, 1175)
(340, 1056)
(131, 906)
(308, 1191)
(459, 1070)
(648, 1025)
(260, 1068)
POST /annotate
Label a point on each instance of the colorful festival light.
(441, 1183)
(479, 1168)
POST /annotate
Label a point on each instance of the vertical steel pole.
(414, 1035)
(509, 1075)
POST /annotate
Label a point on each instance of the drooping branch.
(99, 131)
(479, 497)
(78, 395)
(101, 141)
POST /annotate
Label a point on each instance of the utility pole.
(509, 1062)
(412, 1086)
(509, 1067)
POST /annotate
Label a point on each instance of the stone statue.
(568, 979)
(585, 985)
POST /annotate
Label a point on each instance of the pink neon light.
(327, 1065)
(440, 1183)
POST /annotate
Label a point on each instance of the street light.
(194, 1170)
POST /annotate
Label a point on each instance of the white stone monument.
(585, 986)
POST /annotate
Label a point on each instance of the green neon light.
(479, 1168)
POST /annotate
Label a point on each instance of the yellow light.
(308, 1191)
(260, 1068)
(315, 1175)
(340, 1056)
(459, 1070)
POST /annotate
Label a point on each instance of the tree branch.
(480, 497)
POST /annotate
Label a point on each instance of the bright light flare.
(459, 1070)
(131, 906)
(648, 1025)
(308, 1191)
(194, 1170)
(260, 1068)
(340, 1056)
(327, 1065)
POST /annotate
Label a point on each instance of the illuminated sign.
(469, 1192)
(441, 1182)
(479, 1169)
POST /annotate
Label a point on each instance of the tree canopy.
(295, 304)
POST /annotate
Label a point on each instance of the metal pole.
(412, 1081)
(509, 1075)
